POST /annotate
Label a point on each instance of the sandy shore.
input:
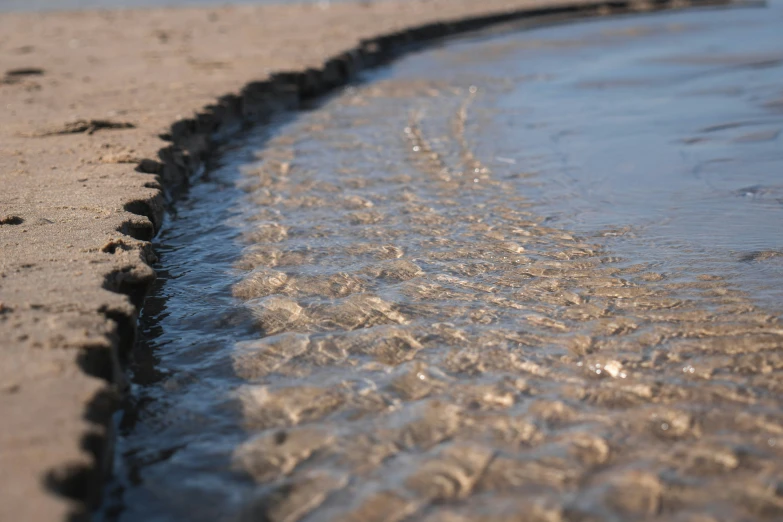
(87, 105)
(81, 5)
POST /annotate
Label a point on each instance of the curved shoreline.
(84, 196)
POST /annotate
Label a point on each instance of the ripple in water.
(529, 276)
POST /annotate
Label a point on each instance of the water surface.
(524, 276)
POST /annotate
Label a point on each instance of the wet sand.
(88, 102)
(445, 310)
(73, 5)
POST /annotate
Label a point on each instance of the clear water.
(532, 275)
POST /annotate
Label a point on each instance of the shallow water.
(525, 276)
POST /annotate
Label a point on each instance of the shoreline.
(90, 153)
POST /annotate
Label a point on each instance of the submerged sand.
(434, 343)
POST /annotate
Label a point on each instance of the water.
(525, 276)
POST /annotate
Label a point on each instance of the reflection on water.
(532, 276)
(181, 422)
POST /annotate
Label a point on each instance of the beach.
(106, 116)
(86, 97)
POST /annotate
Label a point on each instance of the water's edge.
(197, 141)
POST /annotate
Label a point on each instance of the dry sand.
(85, 102)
